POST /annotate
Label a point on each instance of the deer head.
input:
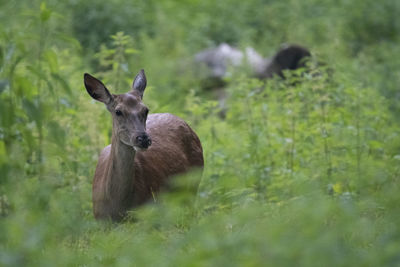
(128, 112)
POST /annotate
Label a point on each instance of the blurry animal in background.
(217, 62)
(289, 57)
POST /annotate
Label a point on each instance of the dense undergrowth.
(300, 172)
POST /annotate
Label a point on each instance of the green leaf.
(131, 51)
(45, 13)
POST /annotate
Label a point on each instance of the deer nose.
(143, 140)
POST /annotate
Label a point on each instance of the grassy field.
(300, 172)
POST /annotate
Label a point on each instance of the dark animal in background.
(144, 151)
(289, 57)
(218, 61)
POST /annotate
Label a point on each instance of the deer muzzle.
(142, 141)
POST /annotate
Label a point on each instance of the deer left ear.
(139, 83)
(96, 89)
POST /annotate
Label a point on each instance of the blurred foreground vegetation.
(302, 172)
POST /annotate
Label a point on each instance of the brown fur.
(175, 149)
(126, 176)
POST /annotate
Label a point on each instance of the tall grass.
(299, 172)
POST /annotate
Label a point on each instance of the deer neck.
(119, 177)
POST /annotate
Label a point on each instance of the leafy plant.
(303, 171)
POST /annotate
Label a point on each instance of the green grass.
(300, 172)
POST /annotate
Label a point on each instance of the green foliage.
(94, 21)
(298, 172)
(113, 61)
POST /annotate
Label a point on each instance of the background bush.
(300, 172)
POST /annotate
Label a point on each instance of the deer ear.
(96, 89)
(139, 83)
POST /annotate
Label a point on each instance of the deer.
(145, 151)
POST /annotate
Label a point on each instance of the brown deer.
(145, 150)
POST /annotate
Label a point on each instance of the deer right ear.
(139, 83)
(96, 89)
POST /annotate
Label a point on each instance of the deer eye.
(118, 112)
